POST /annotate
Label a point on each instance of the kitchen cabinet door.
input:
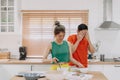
(8, 71)
(41, 67)
(112, 72)
(2, 74)
(117, 72)
(7, 14)
(109, 71)
(95, 68)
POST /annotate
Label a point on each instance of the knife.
(58, 64)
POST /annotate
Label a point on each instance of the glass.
(97, 46)
(3, 16)
(10, 16)
(10, 23)
(7, 15)
(3, 8)
(10, 8)
(10, 28)
(3, 23)
(10, 2)
(3, 2)
(3, 28)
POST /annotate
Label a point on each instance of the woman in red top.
(81, 43)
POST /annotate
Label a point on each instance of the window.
(7, 15)
(38, 27)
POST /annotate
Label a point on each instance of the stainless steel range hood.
(108, 24)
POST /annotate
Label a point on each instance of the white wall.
(116, 11)
(10, 41)
(109, 42)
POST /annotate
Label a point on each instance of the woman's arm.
(72, 59)
(47, 51)
(90, 47)
(74, 46)
(79, 38)
(46, 55)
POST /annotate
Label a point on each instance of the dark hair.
(58, 28)
(82, 27)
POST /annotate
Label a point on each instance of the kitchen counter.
(39, 61)
(96, 76)
(28, 61)
(105, 62)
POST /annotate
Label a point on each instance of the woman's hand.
(87, 36)
(81, 66)
(90, 47)
(55, 60)
(80, 36)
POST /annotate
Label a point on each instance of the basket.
(4, 55)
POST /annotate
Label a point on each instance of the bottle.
(102, 57)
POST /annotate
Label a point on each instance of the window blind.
(38, 27)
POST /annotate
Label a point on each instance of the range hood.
(108, 24)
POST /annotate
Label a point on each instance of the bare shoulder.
(50, 45)
(70, 44)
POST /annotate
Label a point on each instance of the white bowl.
(55, 75)
(83, 70)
